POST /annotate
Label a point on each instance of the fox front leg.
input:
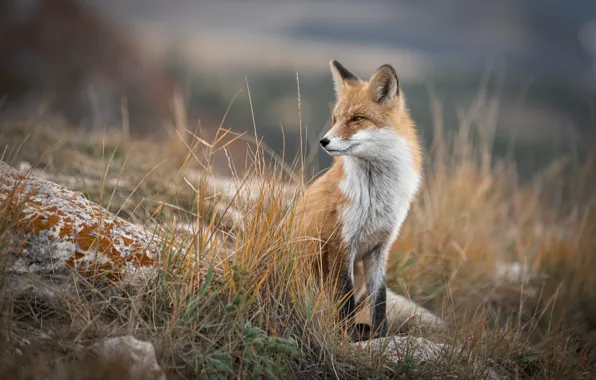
(345, 284)
(376, 286)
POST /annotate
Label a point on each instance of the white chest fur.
(380, 188)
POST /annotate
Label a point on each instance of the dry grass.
(257, 313)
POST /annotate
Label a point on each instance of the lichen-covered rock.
(56, 229)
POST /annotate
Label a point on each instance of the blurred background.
(142, 67)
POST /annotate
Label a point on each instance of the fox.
(357, 207)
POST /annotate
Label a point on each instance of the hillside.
(508, 266)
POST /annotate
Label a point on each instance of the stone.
(139, 356)
(54, 230)
(417, 349)
(399, 347)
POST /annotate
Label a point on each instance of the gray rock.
(138, 355)
(417, 349)
(398, 348)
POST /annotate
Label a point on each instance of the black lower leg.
(349, 305)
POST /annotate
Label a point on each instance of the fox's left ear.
(384, 85)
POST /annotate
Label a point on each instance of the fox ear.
(340, 75)
(384, 85)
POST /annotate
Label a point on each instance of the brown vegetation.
(507, 264)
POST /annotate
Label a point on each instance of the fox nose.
(324, 141)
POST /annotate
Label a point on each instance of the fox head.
(368, 117)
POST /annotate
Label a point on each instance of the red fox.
(358, 206)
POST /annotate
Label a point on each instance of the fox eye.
(357, 118)
(333, 120)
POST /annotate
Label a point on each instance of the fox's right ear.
(341, 76)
